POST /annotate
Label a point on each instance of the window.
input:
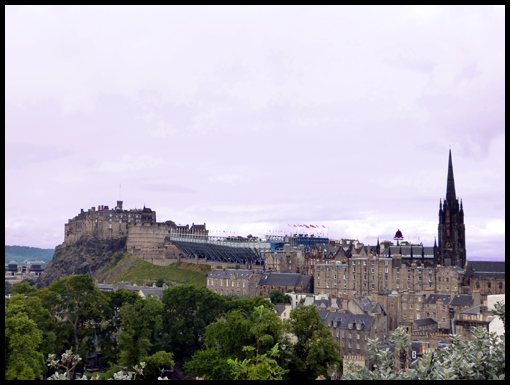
(489, 285)
(444, 320)
(404, 306)
(478, 285)
(500, 285)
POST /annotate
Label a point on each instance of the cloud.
(129, 163)
(229, 178)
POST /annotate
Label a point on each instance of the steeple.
(450, 185)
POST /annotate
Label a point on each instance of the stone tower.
(451, 229)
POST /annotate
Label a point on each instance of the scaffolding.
(221, 249)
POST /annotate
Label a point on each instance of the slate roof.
(156, 291)
(427, 251)
(367, 306)
(285, 279)
(105, 286)
(225, 274)
(343, 320)
(432, 299)
(485, 269)
(280, 308)
(424, 322)
(461, 300)
(473, 310)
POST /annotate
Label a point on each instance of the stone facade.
(146, 238)
(284, 282)
(241, 282)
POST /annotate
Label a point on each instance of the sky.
(254, 118)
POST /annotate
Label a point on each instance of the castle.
(146, 238)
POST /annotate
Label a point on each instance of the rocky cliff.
(86, 256)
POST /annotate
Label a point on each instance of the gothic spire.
(450, 186)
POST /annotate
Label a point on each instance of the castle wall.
(147, 240)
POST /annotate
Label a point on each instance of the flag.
(312, 226)
(295, 226)
(323, 226)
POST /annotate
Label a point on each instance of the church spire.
(450, 185)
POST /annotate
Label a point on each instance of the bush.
(483, 358)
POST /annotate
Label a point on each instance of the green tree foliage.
(7, 287)
(316, 352)
(247, 305)
(260, 366)
(160, 282)
(278, 296)
(107, 340)
(228, 337)
(23, 287)
(155, 363)
(23, 358)
(208, 364)
(33, 308)
(482, 358)
(188, 311)
(24, 253)
(77, 301)
(141, 323)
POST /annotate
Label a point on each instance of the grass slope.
(126, 267)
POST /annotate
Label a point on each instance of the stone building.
(241, 282)
(298, 283)
(437, 307)
(487, 277)
(427, 325)
(286, 260)
(146, 238)
(352, 331)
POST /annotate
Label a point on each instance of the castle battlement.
(146, 238)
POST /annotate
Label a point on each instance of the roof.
(461, 300)
(227, 273)
(485, 269)
(156, 291)
(104, 286)
(343, 320)
(285, 279)
(473, 310)
(280, 308)
(433, 298)
(425, 321)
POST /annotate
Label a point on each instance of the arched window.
(478, 285)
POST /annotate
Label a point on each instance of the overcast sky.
(251, 119)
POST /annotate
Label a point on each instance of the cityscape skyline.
(251, 119)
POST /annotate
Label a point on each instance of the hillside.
(126, 267)
(25, 253)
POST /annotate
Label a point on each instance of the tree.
(188, 311)
(316, 352)
(23, 359)
(33, 308)
(141, 322)
(160, 282)
(260, 366)
(7, 287)
(23, 287)
(228, 338)
(155, 363)
(77, 301)
(483, 358)
(278, 296)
